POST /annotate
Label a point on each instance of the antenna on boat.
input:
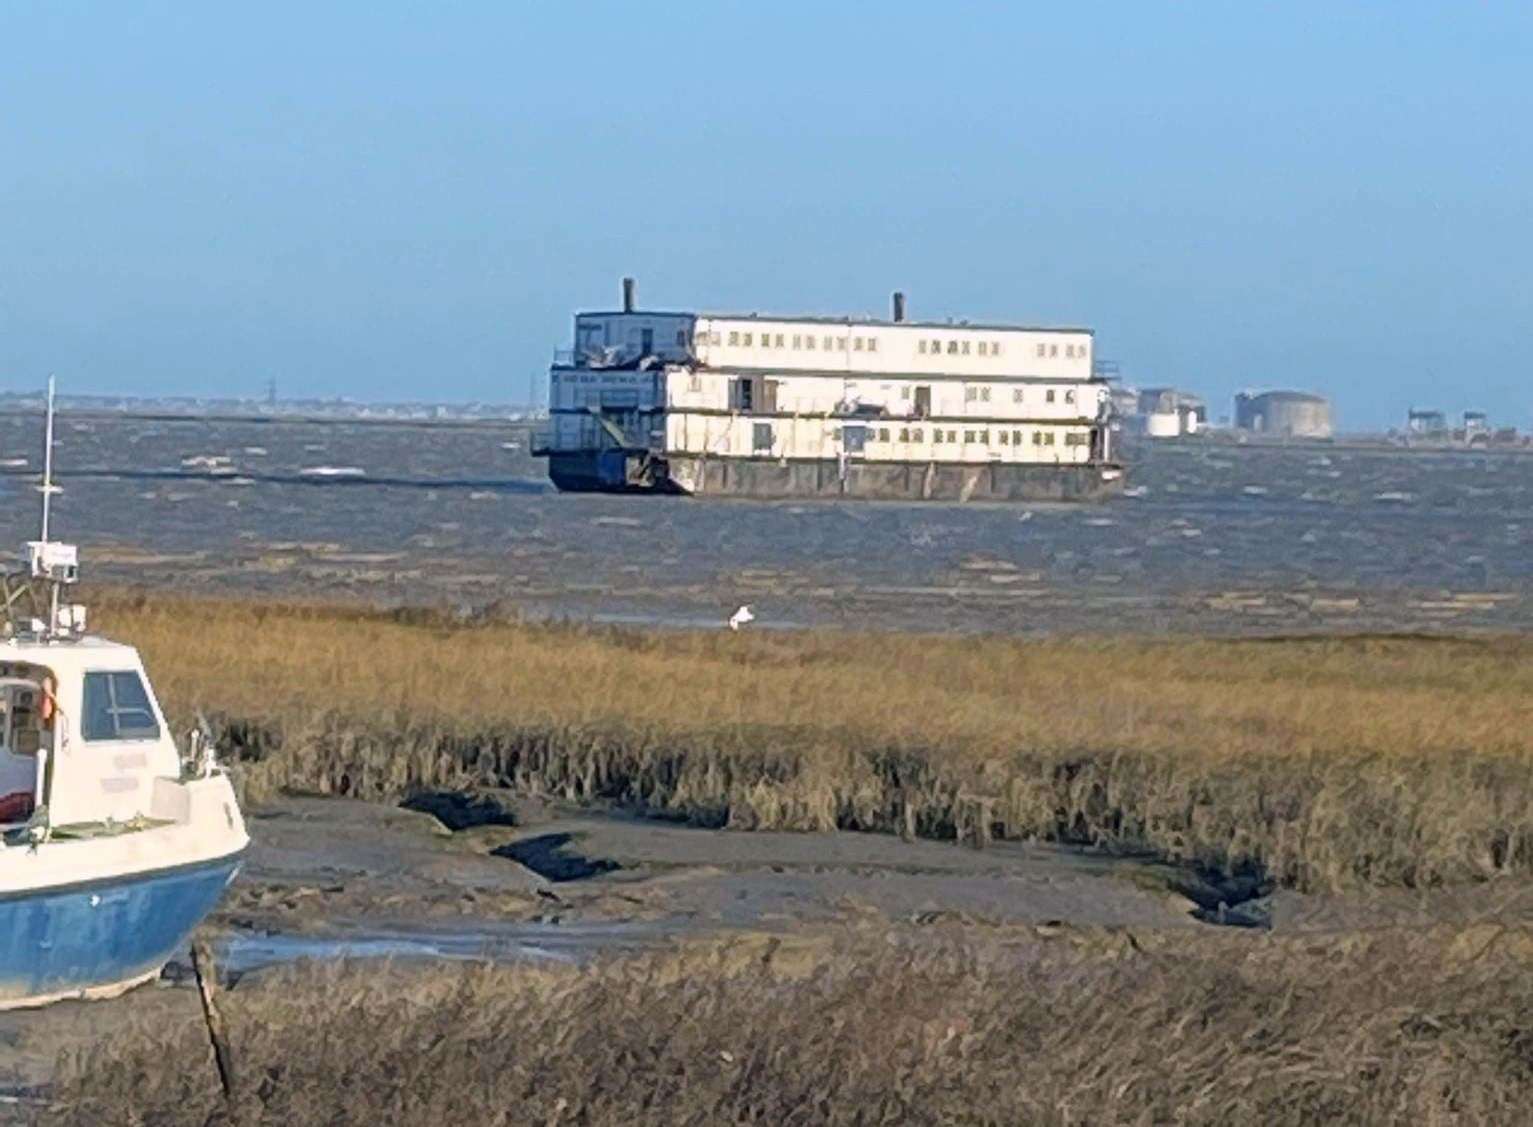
(32, 597)
(47, 459)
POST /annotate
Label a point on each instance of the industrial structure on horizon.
(1157, 412)
(1429, 425)
(1284, 414)
(771, 406)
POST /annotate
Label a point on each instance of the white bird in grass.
(741, 617)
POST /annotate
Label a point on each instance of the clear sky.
(391, 201)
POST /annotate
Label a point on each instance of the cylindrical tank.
(1294, 414)
(1284, 414)
(1163, 424)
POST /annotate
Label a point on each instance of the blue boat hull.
(90, 938)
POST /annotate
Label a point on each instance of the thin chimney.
(899, 306)
(627, 295)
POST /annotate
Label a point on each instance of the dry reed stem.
(928, 1026)
(1323, 762)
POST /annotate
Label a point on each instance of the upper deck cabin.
(80, 733)
(928, 350)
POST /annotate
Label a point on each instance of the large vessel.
(113, 846)
(764, 406)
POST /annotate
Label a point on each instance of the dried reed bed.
(1322, 762)
(1391, 1027)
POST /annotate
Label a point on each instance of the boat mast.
(53, 583)
(47, 459)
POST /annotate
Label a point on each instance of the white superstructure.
(711, 386)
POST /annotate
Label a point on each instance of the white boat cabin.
(81, 734)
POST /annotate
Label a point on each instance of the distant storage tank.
(1284, 414)
(1159, 409)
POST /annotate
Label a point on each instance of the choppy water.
(1216, 538)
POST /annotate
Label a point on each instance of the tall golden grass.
(1390, 1027)
(1321, 762)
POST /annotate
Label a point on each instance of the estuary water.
(1213, 537)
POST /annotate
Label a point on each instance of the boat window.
(117, 708)
(872, 344)
(761, 438)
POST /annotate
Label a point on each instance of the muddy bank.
(319, 864)
(325, 864)
(540, 882)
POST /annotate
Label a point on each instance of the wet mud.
(532, 880)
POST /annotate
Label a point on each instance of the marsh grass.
(1320, 762)
(901, 1027)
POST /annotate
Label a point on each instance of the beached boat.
(115, 845)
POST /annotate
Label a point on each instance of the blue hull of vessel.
(60, 941)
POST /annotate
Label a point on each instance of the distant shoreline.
(486, 422)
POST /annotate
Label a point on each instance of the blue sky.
(392, 201)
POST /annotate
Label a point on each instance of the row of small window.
(980, 437)
(982, 394)
(806, 342)
(959, 347)
(993, 348)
